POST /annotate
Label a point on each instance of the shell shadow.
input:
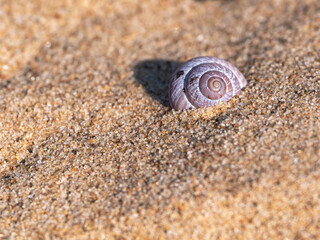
(154, 75)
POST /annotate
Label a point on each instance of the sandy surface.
(90, 149)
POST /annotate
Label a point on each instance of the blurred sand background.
(90, 149)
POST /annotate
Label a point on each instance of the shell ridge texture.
(204, 82)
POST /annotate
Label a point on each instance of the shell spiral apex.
(204, 82)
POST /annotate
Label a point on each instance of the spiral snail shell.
(204, 82)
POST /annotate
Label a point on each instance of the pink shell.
(204, 82)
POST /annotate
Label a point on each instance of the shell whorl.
(204, 82)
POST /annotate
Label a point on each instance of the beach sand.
(90, 148)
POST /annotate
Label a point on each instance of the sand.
(90, 148)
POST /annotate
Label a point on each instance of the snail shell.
(204, 82)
